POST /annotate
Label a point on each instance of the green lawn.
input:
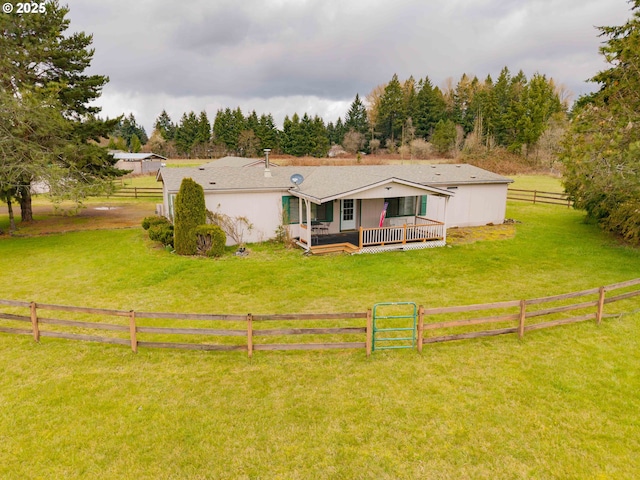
(562, 403)
(544, 183)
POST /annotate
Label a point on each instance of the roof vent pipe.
(267, 172)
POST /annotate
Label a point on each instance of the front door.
(348, 214)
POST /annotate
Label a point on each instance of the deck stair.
(349, 248)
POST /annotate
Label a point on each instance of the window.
(401, 206)
(320, 213)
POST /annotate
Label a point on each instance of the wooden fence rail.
(138, 192)
(340, 330)
(537, 196)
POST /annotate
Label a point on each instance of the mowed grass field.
(561, 403)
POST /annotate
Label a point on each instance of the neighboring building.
(422, 201)
(138, 163)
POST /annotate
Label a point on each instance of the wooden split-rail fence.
(538, 196)
(250, 333)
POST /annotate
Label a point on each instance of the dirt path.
(95, 216)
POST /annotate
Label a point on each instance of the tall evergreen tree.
(356, 117)
(165, 126)
(391, 111)
(39, 58)
(602, 149)
(268, 133)
(430, 108)
(187, 133)
(319, 138)
(204, 129)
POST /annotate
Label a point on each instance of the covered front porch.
(372, 220)
(427, 234)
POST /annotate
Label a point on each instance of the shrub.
(154, 220)
(190, 211)
(162, 232)
(210, 240)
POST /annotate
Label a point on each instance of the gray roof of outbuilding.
(133, 157)
(324, 182)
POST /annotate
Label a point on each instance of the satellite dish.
(296, 179)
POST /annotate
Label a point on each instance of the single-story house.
(360, 208)
(138, 163)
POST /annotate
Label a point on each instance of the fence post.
(600, 305)
(369, 332)
(523, 316)
(535, 194)
(250, 335)
(420, 327)
(34, 322)
(132, 331)
(135, 192)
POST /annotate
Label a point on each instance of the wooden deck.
(426, 234)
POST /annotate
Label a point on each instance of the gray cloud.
(318, 53)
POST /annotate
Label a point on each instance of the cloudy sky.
(286, 56)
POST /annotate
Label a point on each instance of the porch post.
(444, 227)
(308, 204)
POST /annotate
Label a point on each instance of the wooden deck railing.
(426, 230)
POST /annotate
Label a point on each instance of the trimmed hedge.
(210, 240)
(159, 228)
(149, 222)
(190, 211)
(162, 233)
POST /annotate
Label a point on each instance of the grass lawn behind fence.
(562, 403)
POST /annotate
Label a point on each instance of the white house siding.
(263, 209)
(371, 210)
(472, 205)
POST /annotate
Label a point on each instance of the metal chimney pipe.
(267, 172)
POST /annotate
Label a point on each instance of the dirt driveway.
(94, 216)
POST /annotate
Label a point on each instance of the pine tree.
(601, 151)
(39, 59)
(356, 117)
(134, 144)
(204, 129)
(268, 133)
(391, 112)
(430, 108)
(187, 133)
(165, 126)
(444, 136)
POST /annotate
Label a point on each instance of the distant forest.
(409, 117)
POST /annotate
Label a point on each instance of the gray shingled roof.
(326, 182)
(230, 161)
(136, 157)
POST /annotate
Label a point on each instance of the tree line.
(511, 112)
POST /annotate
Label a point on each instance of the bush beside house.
(210, 240)
(160, 229)
(190, 212)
